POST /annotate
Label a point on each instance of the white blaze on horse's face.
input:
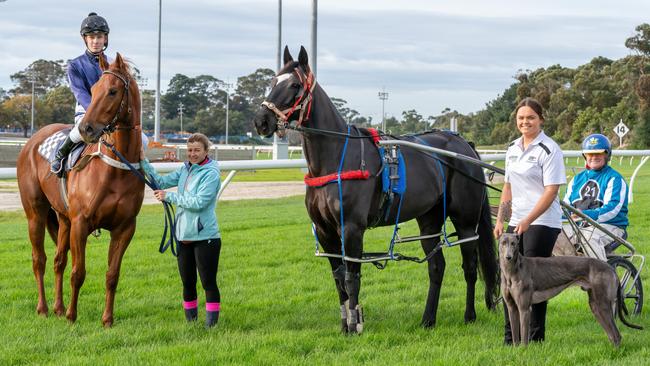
(282, 78)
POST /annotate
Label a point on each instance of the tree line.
(590, 98)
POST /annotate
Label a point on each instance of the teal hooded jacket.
(195, 200)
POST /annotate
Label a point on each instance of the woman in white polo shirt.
(529, 200)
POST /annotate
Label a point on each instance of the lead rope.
(170, 215)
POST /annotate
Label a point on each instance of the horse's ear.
(287, 55)
(303, 59)
(103, 64)
(119, 61)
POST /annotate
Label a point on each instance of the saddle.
(52, 144)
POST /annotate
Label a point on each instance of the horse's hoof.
(107, 320)
(427, 323)
(344, 326)
(42, 310)
(59, 310)
(470, 318)
(71, 316)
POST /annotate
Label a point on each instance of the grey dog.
(526, 281)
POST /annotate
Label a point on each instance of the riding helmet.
(597, 143)
(94, 24)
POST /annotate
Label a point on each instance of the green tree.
(47, 75)
(413, 122)
(60, 103)
(17, 110)
(640, 42)
(252, 88)
(195, 94)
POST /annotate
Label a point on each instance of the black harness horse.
(438, 187)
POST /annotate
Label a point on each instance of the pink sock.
(190, 304)
(212, 306)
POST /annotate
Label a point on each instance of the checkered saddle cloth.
(51, 145)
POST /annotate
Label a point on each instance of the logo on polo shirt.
(532, 159)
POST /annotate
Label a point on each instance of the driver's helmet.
(94, 24)
(597, 143)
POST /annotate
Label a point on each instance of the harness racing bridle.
(302, 103)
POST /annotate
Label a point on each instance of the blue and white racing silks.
(83, 73)
(601, 195)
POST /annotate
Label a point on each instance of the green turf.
(267, 175)
(279, 304)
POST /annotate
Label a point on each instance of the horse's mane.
(288, 67)
(128, 69)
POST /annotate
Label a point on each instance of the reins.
(170, 217)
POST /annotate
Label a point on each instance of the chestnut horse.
(99, 195)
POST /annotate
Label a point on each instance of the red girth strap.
(331, 178)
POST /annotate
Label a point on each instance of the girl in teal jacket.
(197, 231)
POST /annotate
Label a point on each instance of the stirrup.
(57, 172)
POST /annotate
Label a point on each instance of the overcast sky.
(428, 55)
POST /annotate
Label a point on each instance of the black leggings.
(204, 256)
(537, 241)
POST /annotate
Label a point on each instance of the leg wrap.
(339, 273)
(355, 322)
(352, 282)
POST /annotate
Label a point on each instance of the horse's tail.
(488, 256)
(53, 225)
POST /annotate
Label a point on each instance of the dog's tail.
(620, 308)
(488, 256)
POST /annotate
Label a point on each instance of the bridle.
(303, 103)
(112, 125)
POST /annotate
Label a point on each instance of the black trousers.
(204, 257)
(538, 241)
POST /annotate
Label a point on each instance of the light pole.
(275, 136)
(383, 96)
(31, 131)
(32, 78)
(314, 28)
(156, 128)
(142, 84)
(279, 56)
(227, 86)
(180, 110)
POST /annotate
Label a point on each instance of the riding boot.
(191, 314)
(211, 318)
(191, 310)
(57, 163)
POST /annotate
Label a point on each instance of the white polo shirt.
(528, 172)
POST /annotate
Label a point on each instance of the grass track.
(279, 304)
